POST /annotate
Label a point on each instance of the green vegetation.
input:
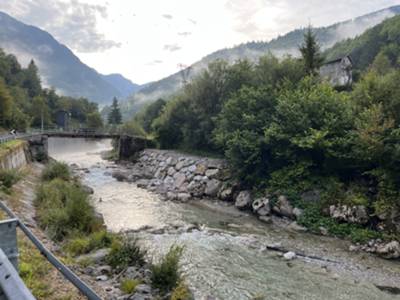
(56, 170)
(8, 178)
(24, 103)
(85, 244)
(115, 117)
(7, 147)
(285, 131)
(165, 275)
(181, 292)
(63, 207)
(126, 253)
(128, 286)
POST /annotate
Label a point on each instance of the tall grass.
(55, 170)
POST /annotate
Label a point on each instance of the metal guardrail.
(68, 274)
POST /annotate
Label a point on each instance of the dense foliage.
(284, 130)
(24, 103)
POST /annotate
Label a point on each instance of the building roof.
(339, 59)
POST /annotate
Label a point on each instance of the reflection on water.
(218, 261)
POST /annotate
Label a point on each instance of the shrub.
(126, 253)
(8, 178)
(96, 240)
(165, 275)
(63, 208)
(181, 292)
(56, 170)
(128, 286)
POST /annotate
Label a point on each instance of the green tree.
(94, 120)
(147, 115)
(115, 117)
(32, 80)
(310, 51)
(6, 102)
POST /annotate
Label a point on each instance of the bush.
(63, 208)
(8, 178)
(165, 275)
(126, 253)
(96, 240)
(181, 292)
(128, 286)
(56, 170)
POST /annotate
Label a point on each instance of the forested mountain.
(24, 103)
(379, 45)
(286, 44)
(59, 67)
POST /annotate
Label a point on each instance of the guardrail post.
(8, 240)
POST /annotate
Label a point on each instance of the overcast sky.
(146, 40)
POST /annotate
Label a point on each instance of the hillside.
(383, 38)
(286, 44)
(58, 66)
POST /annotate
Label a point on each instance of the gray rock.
(243, 200)
(192, 168)
(283, 207)
(179, 180)
(171, 161)
(171, 196)
(169, 181)
(102, 278)
(104, 270)
(212, 173)
(296, 227)
(390, 250)
(142, 183)
(289, 255)
(298, 212)
(200, 169)
(87, 189)
(171, 171)
(350, 214)
(143, 289)
(226, 193)
(261, 206)
(132, 273)
(120, 176)
(96, 257)
(138, 296)
(323, 230)
(183, 197)
(212, 187)
(196, 188)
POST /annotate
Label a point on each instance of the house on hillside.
(338, 72)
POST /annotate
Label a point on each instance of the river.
(225, 255)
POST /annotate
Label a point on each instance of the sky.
(146, 40)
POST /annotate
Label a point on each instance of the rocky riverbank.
(181, 177)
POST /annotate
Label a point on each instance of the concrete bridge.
(128, 146)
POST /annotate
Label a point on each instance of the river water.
(226, 256)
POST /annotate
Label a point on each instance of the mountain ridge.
(59, 67)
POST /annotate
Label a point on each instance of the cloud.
(154, 62)
(265, 19)
(184, 33)
(172, 47)
(167, 16)
(194, 22)
(70, 21)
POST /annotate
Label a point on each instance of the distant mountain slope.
(286, 44)
(58, 66)
(124, 85)
(383, 38)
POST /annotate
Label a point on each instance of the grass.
(181, 292)
(8, 178)
(128, 286)
(7, 147)
(56, 170)
(85, 244)
(126, 253)
(165, 274)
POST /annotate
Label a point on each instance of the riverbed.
(226, 252)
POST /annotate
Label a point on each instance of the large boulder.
(243, 200)
(390, 250)
(212, 187)
(261, 206)
(284, 208)
(212, 173)
(349, 214)
(179, 180)
(196, 188)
